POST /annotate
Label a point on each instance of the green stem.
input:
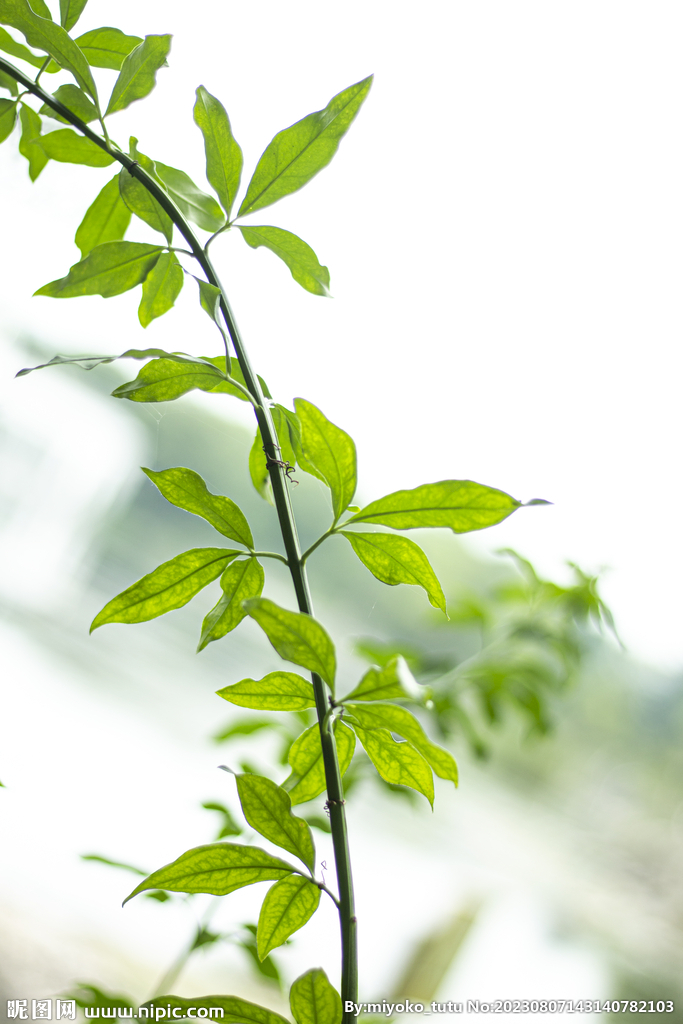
(309, 551)
(283, 506)
(269, 554)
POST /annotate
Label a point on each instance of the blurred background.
(537, 280)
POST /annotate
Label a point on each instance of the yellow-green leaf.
(242, 580)
(296, 637)
(278, 691)
(403, 722)
(288, 906)
(313, 1000)
(106, 219)
(68, 147)
(306, 760)
(458, 505)
(29, 143)
(398, 763)
(268, 809)
(110, 269)
(393, 560)
(223, 154)
(234, 1010)
(295, 253)
(186, 489)
(161, 288)
(107, 47)
(331, 451)
(138, 72)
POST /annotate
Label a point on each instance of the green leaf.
(68, 147)
(8, 118)
(217, 868)
(240, 581)
(296, 637)
(459, 505)
(296, 154)
(403, 722)
(223, 155)
(331, 451)
(313, 1000)
(258, 469)
(278, 691)
(141, 202)
(70, 11)
(385, 683)
(9, 45)
(246, 727)
(292, 250)
(40, 8)
(288, 906)
(268, 809)
(170, 586)
(77, 102)
(112, 863)
(138, 72)
(226, 387)
(229, 826)
(106, 219)
(186, 489)
(106, 47)
(51, 38)
(393, 560)
(306, 760)
(164, 380)
(289, 435)
(398, 763)
(9, 83)
(161, 288)
(235, 1010)
(194, 204)
(109, 269)
(90, 362)
(210, 301)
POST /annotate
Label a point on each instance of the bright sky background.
(502, 225)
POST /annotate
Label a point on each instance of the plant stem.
(285, 513)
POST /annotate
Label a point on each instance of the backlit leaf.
(240, 581)
(258, 468)
(223, 155)
(331, 451)
(235, 1010)
(288, 905)
(164, 380)
(394, 560)
(110, 269)
(139, 200)
(186, 489)
(77, 102)
(107, 47)
(29, 143)
(313, 1000)
(138, 73)
(68, 147)
(40, 7)
(268, 809)
(90, 362)
(217, 868)
(161, 288)
(9, 45)
(106, 219)
(9, 83)
(278, 691)
(403, 722)
(70, 11)
(296, 154)
(194, 204)
(292, 250)
(170, 586)
(385, 683)
(288, 429)
(226, 387)
(306, 760)
(296, 637)
(398, 763)
(459, 505)
(8, 118)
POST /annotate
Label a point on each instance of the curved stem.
(285, 513)
(269, 554)
(316, 544)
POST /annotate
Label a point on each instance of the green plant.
(375, 710)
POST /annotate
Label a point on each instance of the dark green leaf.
(9, 45)
(394, 560)
(242, 580)
(278, 691)
(186, 489)
(161, 288)
(258, 468)
(109, 269)
(9, 83)
(331, 451)
(8, 118)
(107, 47)
(403, 722)
(106, 219)
(68, 147)
(139, 200)
(217, 868)
(296, 637)
(268, 809)
(170, 586)
(292, 250)
(386, 683)
(112, 863)
(190, 200)
(313, 1000)
(296, 154)
(235, 1010)
(70, 11)
(77, 102)
(164, 380)
(223, 155)
(459, 505)
(398, 763)
(288, 905)
(138, 72)
(306, 760)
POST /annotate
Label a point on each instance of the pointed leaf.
(296, 637)
(107, 47)
(459, 505)
(288, 428)
(288, 906)
(9, 45)
(170, 586)
(110, 269)
(217, 868)
(235, 1010)
(296, 154)
(161, 288)
(223, 155)
(186, 489)
(278, 691)
(268, 809)
(242, 580)
(403, 722)
(210, 300)
(141, 202)
(313, 1000)
(386, 683)
(77, 102)
(8, 118)
(90, 362)
(194, 204)
(393, 560)
(40, 7)
(258, 469)
(70, 11)
(228, 388)
(398, 763)
(306, 760)
(292, 250)
(68, 147)
(106, 219)
(164, 380)
(29, 143)
(331, 451)
(138, 72)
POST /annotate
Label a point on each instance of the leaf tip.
(537, 501)
(224, 768)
